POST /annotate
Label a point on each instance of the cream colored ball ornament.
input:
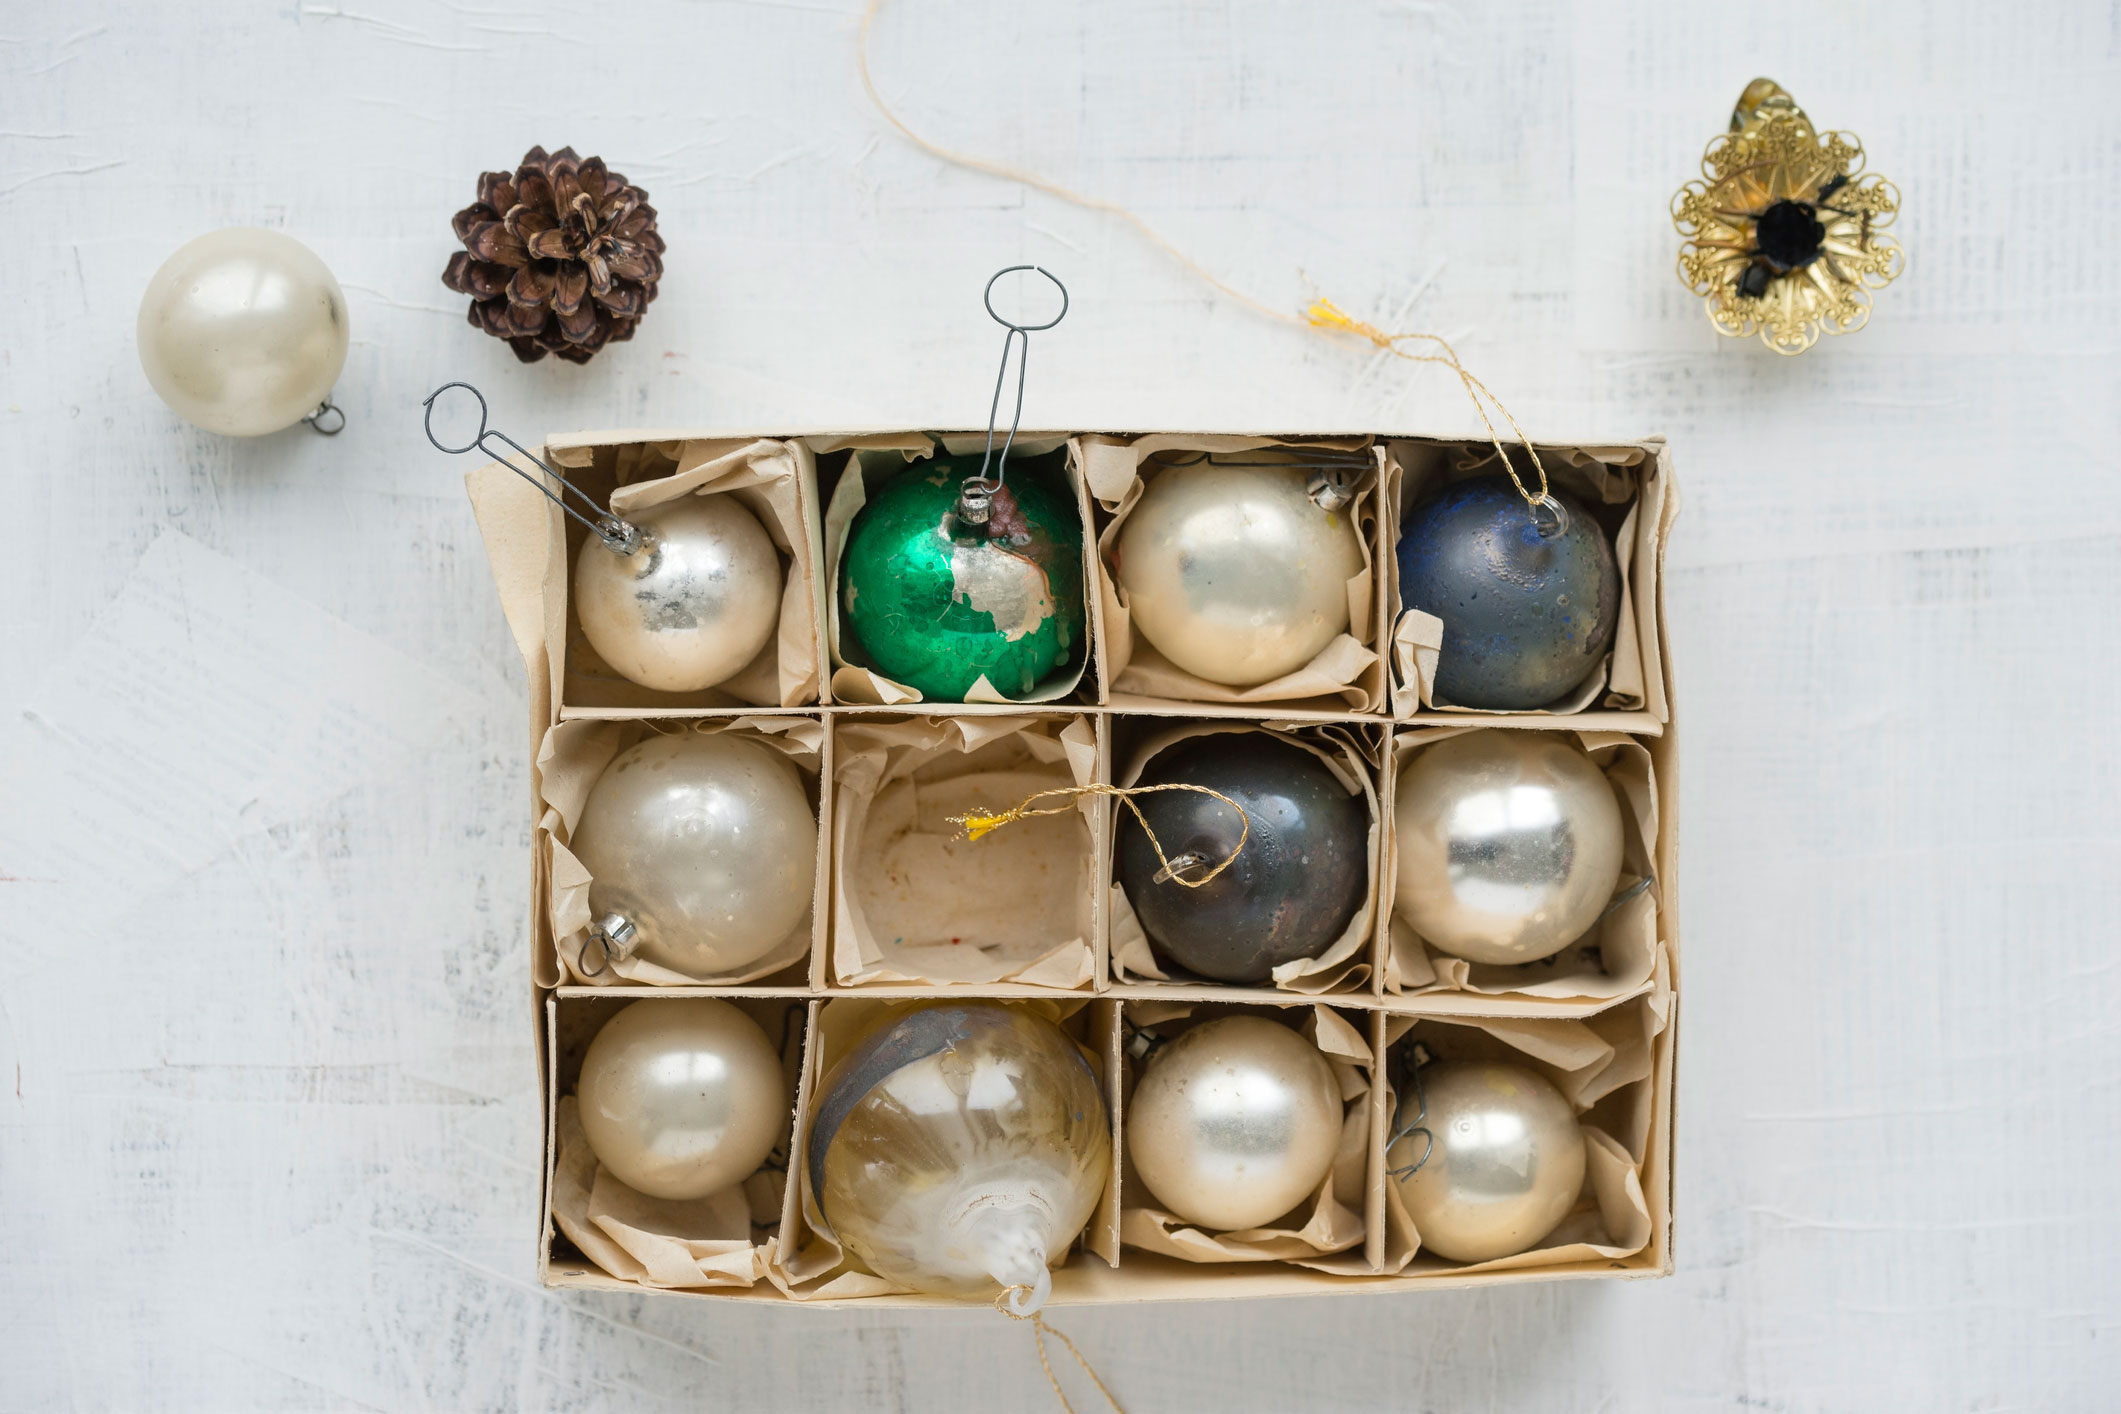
(1235, 1123)
(691, 603)
(701, 850)
(243, 332)
(1234, 572)
(681, 1097)
(1509, 845)
(1491, 1162)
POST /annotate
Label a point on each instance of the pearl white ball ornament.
(243, 331)
(706, 845)
(1505, 1167)
(1234, 573)
(1235, 1123)
(681, 1097)
(692, 605)
(1509, 845)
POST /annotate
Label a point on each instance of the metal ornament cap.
(1235, 572)
(1527, 614)
(1235, 1123)
(1497, 1163)
(1509, 845)
(1302, 874)
(707, 844)
(691, 605)
(681, 1097)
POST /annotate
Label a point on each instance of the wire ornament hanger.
(620, 536)
(975, 505)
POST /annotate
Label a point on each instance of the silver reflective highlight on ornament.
(1235, 1123)
(706, 845)
(1509, 845)
(1497, 1162)
(1233, 572)
(681, 1097)
(243, 332)
(692, 604)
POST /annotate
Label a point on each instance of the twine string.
(1323, 318)
(1039, 1331)
(980, 823)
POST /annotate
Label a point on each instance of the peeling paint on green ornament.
(938, 610)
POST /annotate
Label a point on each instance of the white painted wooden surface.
(267, 1119)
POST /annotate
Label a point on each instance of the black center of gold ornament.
(1788, 235)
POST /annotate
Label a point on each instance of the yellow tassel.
(979, 823)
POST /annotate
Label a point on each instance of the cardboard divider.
(1331, 1229)
(1613, 1068)
(1626, 487)
(808, 1262)
(1616, 959)
(915, 901)
(1353, 750)
(853, 468)
(724, 1240)
(572, 756)
(773, 479)
(1346, 675)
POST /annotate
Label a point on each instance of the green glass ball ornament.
(938, 603)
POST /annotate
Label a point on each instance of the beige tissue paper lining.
(914, 901)
(1340, 967)
(1329, 1221)
(573, 756)
(1625, 941)
(1346, 672)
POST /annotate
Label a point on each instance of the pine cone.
(561, 257)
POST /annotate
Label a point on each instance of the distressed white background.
(267, 1122)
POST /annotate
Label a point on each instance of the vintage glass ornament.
(1302, 874)
(243, 331)
(701, 850)
(961, 1147)
(1528, 605)
(938, 602)
(1234, 573)
(1509, 845)
(681, 1097)
(1236, 1122)
(691, 604)
(1504, 1160)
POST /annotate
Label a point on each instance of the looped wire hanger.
(619, 536)
(1417, 1057)
(976, 493)
(325, 409)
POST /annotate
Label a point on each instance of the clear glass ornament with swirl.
(960, 1148)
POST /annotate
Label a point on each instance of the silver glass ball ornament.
(681, 1097)
(1235, 1123)
(1509, 845)
(1234, 573)
(705, 846)
(243, 331)
(1496, 1161)
(692, 604)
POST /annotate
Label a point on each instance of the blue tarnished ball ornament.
(1526, 616)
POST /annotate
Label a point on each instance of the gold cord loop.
(1040, 1330)
(979, 823)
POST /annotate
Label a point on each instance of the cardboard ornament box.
(890, 924)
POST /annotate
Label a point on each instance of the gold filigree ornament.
(1783, 237)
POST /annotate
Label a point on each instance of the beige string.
(1323, 318)
(979, 823)
(1040, 1330)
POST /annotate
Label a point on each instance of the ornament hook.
(613, 935)
(619, 536)
(1418, 1057)
(325, 409)
(976, 493)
